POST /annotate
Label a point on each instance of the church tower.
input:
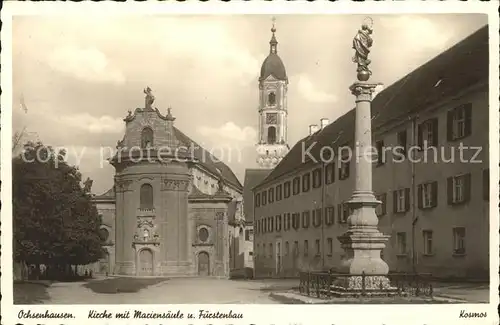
(273, 111)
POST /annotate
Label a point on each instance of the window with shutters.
(318, 247)
(286, 216)
(329, 216)
(279, 193)
(271, 250)
(296, 221)
(329, 245)
(264, 250)
(264, 225)
(287, 248)
(278, 222)
(295, 248)
(296, 185)
(344, 212)
(401, 243)
(305, 219)
(427, 195)
(428, 247)
(344, 168)
(381, 209)
(402, 143)
(459, 241)
(270, 194)
(330, 173)
(428, 134)
(306, 247)
(257, 200)
(379, 145)
(317, 178)
(286, 189)
(459, 122)
(459, 189)
(486, 184)
(306, 182)
(317, 217)
(264, 197)
(271, 224)
(401, 200)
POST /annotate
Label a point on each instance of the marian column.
(363, 242)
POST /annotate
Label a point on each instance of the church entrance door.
(146, 262)
(203, 264)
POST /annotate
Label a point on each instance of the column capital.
(360, 88)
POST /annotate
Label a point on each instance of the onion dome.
(273, 65)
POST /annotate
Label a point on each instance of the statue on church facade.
(87, 185)
(150, 98)
(362, 43)
(220, 185)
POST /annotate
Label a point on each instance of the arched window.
(271, 135)
(271, 98)
(146, 196)
(147, 137)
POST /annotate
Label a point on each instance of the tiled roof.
(252, 178)
(196, 195)
(207, 160)
(462, 66)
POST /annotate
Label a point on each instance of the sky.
(79, 76)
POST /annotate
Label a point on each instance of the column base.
(353, 286)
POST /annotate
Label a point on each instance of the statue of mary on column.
(361, 44)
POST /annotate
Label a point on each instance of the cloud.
(92, 124)
(211, 46)
(88, 64)
(418, 32)
(311, 92)
(229, 131)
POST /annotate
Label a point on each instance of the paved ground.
(218, 291)
(470, 292)
(174, 291)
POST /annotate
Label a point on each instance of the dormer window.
(146, 138)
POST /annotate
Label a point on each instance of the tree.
(55, 221)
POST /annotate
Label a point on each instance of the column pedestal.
(366, 272)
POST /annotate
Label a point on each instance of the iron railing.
(322, 284)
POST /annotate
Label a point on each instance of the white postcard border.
(253, 314)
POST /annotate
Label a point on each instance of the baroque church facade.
(167, 213)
